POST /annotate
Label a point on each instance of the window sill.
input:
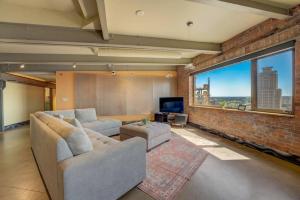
(245, 111)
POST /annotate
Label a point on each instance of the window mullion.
(254, 84)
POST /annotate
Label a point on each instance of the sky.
(235, 80)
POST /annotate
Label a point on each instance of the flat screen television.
(171, 104)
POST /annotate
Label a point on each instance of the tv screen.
(171, 104)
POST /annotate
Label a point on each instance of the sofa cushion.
(111, 131)
(86, 115)
(59, 116)
(100, 141)
(65, 113)
(76, 138)
(103, 124)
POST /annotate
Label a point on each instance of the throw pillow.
(77, 140)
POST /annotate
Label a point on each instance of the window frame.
(254, 57)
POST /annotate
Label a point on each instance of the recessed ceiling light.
(190, 23)
(140, 13)
(22, 66)
(110, 66)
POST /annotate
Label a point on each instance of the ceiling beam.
(88, 8)
(250, 6)
(92, 23)
(103, 20)
(89, 11)
(24, 80)
(83, 8)
(37, 34)
(55, 68)
(57, 59)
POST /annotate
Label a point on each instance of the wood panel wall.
(124, 94)
(65, 90)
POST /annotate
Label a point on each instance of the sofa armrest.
(105, 173)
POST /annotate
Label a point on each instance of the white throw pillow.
(77, 140)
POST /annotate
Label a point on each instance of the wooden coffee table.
(127, 119)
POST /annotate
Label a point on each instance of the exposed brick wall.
(280, 37)
(271, 131)
(259, 37)
(202, 58)
(281, 133)
(261, 30)
(183, 86)
(264, 29)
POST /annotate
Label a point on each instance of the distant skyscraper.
(268, 93)
(203, 94)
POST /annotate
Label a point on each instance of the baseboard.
(282, 155)
(16, 125)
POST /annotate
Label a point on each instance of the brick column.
(183, 86)
(296, 142)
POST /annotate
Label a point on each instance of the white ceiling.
(41, 12)
(162, 19)
(56, 5)
(168, 18)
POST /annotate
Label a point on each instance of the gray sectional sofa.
(88, 119)
(78, 163)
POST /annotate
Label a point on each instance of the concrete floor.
(231, 171)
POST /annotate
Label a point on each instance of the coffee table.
(127, 119)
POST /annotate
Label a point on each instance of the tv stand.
(178, 119)
(161, 117)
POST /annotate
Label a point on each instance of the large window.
(263, 83)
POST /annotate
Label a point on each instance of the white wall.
(19, 100)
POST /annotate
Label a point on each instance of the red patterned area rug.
(170, 166)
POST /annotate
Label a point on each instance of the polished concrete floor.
(230, 172)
